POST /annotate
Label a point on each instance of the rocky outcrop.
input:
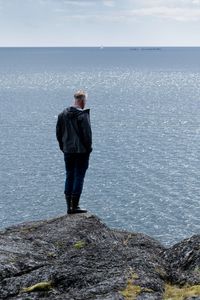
(78, 257)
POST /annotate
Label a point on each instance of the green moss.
(161, 272)
(125, 242)
(132, 290)
(51, 255)
(79, 245)
(41, 286)
(13, 260)
(59, 244)
(28, 229)
(197, 270)
(173, 292)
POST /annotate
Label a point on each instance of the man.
(74, 136)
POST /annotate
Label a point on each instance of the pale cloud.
(109, 3)
(79, 3)
(196, 2)
(112, 22)
(178, 14)
(164, 3)
(178, 10)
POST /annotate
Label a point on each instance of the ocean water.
(145, 114)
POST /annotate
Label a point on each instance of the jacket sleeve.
(59, 131)
(86, 132)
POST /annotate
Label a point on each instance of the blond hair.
(80, 95)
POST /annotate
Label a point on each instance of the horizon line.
(102, 46)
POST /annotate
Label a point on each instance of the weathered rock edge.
(81, 258)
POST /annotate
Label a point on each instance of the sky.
(99, 22)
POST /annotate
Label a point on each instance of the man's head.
(80, 99)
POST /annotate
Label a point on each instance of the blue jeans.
(76, 165)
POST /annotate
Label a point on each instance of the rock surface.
(78, 257)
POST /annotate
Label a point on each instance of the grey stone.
(83, 259)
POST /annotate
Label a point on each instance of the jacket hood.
(73, 112)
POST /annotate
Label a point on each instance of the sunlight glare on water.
(144, 168)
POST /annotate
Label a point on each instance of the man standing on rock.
(74, 135)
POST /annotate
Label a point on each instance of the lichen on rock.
(40, 286)
(180, 293)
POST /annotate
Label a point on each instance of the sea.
(145, 114)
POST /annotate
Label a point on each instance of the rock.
(78, 257)
(184, 262)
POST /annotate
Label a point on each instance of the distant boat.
(101, 47)
(145, 48)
